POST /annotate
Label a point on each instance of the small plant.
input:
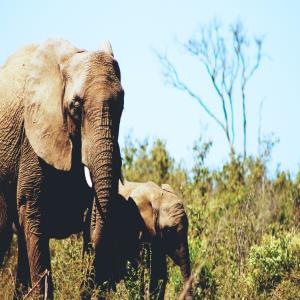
(67, 267)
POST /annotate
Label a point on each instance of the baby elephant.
(163, 223)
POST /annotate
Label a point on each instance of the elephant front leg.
(39, 262)
(158, 273)
(23, 272)
(31, 201)
(36, 252)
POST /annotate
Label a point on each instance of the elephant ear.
(44, 122)
(147, 212)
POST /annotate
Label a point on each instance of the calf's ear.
(147, 212)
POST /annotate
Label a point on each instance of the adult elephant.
(60, 110)
(155, 215)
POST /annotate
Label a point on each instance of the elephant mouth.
(87, 176)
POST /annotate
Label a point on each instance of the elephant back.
(13, 76)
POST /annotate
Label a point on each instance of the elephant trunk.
(105, 190)
(180, 256)
(105, 167)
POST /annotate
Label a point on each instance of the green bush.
(144, 163)
(274, 260)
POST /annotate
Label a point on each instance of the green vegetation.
(275, 260)
(243, 228)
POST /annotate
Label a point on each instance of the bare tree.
(230, 62)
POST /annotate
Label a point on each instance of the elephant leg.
(39, 262)
(87, 247)
(5, 227)
(87, 285)
(141, 265)
(142, 283)
(23, 271)
(158, 273)
(30, 192)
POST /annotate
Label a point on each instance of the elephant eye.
(76, 102)
(76, 108)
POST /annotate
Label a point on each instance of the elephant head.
(73, 100)
(172, 227)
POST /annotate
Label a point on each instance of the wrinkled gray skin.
(60, 110)
(149, 213)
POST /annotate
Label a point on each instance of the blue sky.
(153, 109)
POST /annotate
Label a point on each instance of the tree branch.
(210, 52)
(173, 79)
(225, 64)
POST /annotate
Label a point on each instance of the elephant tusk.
(88, 177)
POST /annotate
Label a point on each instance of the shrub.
(274, 260)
